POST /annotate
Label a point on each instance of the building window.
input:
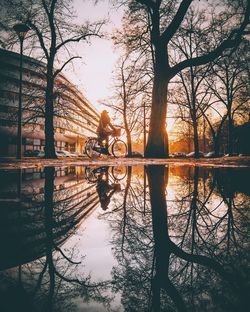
(37, 142)
(28, 141)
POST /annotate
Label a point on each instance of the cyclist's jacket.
(104, 124)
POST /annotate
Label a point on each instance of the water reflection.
(26, 202)
(38, 215)
(182, 254)
(107, 182)
(178, 235)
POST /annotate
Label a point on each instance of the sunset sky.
(92, 74)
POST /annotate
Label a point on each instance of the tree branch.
(232, 41)
(169, 32)
(60, 69)
(63, 254)
(40, 37)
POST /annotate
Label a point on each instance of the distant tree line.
(183, 142)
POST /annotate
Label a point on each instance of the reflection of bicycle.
(117, 173)
(118, 148)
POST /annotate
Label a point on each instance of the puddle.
(135, 238)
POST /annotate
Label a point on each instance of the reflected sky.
(151, 238)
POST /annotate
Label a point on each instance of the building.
(75, 118)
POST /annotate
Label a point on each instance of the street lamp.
(21, 30)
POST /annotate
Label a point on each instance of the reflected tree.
(56, 281)
(63, 280)
(172, 258)
(180, 237)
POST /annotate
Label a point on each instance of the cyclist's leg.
(99, 139)
(106, 144)
(101, 135)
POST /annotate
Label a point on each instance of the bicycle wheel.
(92, 148)
(119, 148)
(89, 175)
(119, 172)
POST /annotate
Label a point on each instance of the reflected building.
(24, 211)
(75, 118)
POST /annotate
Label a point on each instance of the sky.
(93, 73)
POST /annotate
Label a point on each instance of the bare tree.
(230, 87)
(189, 92)
(162, 20)
(55, 32)
(129, 91)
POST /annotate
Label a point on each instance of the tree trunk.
(49, 114)
(157, 145)
(158, 180)
(216, 145)
(196, 138)
(48, 222)
(129, 143)
(128, 135)
(230, 135)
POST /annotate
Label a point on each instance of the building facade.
(75, 118)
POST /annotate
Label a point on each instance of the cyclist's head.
(104, 112)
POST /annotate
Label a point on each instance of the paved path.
(11, 163)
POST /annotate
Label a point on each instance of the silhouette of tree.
(156, 23)
(228, 85)
(129, 88)
(165, 262)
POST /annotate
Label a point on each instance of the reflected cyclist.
(104, 189)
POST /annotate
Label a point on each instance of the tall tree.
(129, 88)
(230, 87)
(191, 95)
(163, 23)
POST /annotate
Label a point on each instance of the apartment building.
(75, 118)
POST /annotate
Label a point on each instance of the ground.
(12, 163)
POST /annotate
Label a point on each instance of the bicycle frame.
(111, 142)
(103, 150)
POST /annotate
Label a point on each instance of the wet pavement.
(28, 162)
(166, 237)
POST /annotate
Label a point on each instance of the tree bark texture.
(49, 114)
(128, 133)
(196, 138)
(157, 145)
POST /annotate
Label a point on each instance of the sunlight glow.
(170, 124)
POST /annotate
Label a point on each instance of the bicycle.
(117, 173)
(94, 149)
